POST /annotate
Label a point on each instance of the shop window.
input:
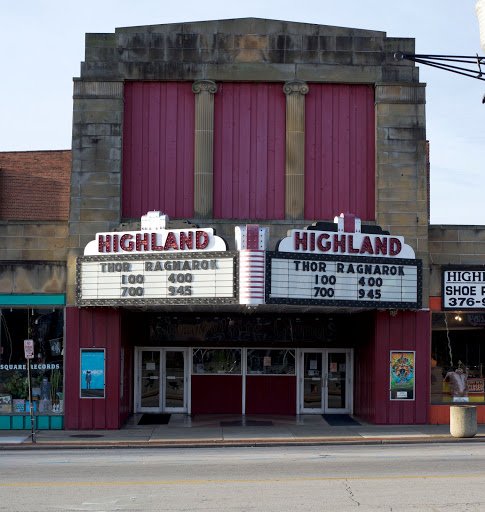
(45, 327)
(458, 358)
(217, 360)
(271, 362)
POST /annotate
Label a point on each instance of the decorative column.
(295, 149)
(204, 148)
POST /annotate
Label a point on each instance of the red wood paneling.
(216, 394)
(364, 388)
(423, 365)
(270, 394)
(92, 328)
(128, 332)
(339, 151)
(407, 330)
(249, 151)
(158, 149)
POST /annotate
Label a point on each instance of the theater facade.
(248, 225)
(249, 231)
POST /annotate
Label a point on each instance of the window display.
(458, 358)
(46, 328)
(271, 362)
(217, 360)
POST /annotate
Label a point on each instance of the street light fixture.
(480, 12)
(448, 62)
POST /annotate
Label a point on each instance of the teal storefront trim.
(33, 299)
(23, 422)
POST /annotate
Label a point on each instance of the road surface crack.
(351, 494)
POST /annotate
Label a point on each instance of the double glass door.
(161, 380)
(326, 381)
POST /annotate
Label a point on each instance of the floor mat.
(154, 419)
(339, 420)
(246, 423)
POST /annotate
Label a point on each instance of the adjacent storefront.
(44, 325)
(458, 341)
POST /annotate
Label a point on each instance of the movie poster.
(402, 375)
(92, 373)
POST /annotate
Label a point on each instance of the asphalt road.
(428, 477)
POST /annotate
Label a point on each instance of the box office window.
(271, 362)
(458, 358)
(216, 361)
(46, 328)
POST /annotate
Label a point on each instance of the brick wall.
(34, 185)
(454, 245)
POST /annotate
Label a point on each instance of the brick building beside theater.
(252, 136)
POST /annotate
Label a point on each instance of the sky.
(42, 46)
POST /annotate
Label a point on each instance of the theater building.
(249, 231)
(243, 295)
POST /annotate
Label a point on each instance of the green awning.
(33, 299)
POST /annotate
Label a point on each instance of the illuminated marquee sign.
(344, 268)
(350, 244)
(142, 242)
(463, 287)
(157, 266)
(173, 278)
(343, 281)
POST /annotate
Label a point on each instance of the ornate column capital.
(295, 86)
(204, 86)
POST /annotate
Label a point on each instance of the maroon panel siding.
(126, 401)
(249, 151)
(364, 385)
(410, 331)
(158, 149)
(92, 328)
(339, 151)
(270, 394)
(216, 394)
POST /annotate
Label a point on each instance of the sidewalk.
(232, 430)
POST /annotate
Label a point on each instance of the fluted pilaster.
(204, 148)
(295, 149)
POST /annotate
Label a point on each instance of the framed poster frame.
(395, 388)
(92, 368)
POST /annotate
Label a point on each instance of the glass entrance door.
(149, 380)
(161, 377)
(326, 381)
(174, 392)
(312, 382)
(336, 389)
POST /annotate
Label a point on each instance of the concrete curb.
(68, 445)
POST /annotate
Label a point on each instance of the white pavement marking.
(13, 440)
(392, 434)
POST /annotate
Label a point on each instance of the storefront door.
(326, 381)
(161, 380)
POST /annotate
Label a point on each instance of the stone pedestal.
(463, 420)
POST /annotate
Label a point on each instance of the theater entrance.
(326, 381)
(161, 376)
